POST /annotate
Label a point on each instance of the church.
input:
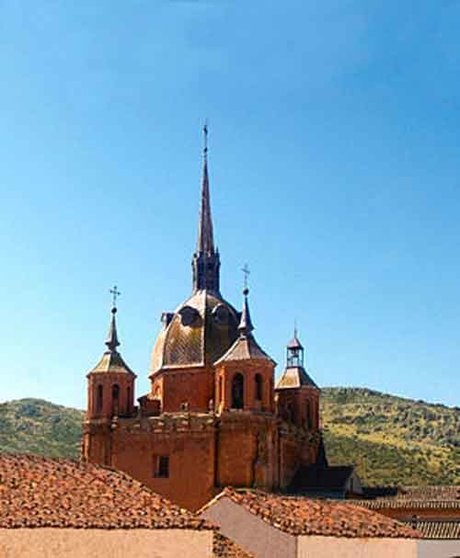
(213, 416)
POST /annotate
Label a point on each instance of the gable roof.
(305, 516)
(40, 492)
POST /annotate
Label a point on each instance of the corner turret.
(297, 393)
(111, 381)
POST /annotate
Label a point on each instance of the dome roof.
(200, 331)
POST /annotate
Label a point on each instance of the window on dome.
(221, 315)
(189, 316)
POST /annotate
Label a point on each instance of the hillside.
(37, 426)
(391, 440)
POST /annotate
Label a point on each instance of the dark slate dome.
(199, 332)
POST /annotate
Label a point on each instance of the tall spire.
(205, 232)
(112, 338)
(245, 326)
(206, 261)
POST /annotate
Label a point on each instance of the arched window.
(259, 387)
(308, 415)
(238, 391)
(115, 398)
(128, 395)
(99, 398)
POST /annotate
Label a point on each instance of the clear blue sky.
(334, 164)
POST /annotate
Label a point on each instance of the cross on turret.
(115, 294)
(246, 272)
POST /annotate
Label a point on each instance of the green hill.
(37, 426)
(391, 440)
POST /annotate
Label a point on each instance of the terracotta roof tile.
(438, 529)
(223, 547)
(305, 516)
(405, 504)
(440, 493)
(40, 492)
(428, 493)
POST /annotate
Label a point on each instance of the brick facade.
(213, 416)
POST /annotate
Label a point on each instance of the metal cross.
(246, 272)
(205, 132)
(115, 294)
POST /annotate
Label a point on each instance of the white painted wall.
(249, 531)
(339, 547)
(438, 549)
(104, 543)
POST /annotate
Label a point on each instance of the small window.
(161, 466)
(259, 387)
(238, 391)
(115, 398)
(100, 398)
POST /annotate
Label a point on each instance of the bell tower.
(297, 393)
(110, 395)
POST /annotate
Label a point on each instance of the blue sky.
(334, 166)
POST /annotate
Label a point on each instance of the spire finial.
(246, 272)
(206, 260)
(205, 232)
(115, 294)
(245, 326)
(205, 140)
(112, 337)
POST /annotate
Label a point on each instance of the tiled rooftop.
(225, 548)
(414, 497)
(40, 492)
(438, 529)
(396, 504)
(440, 493)
(304, 516)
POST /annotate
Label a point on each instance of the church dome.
(199, 332)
